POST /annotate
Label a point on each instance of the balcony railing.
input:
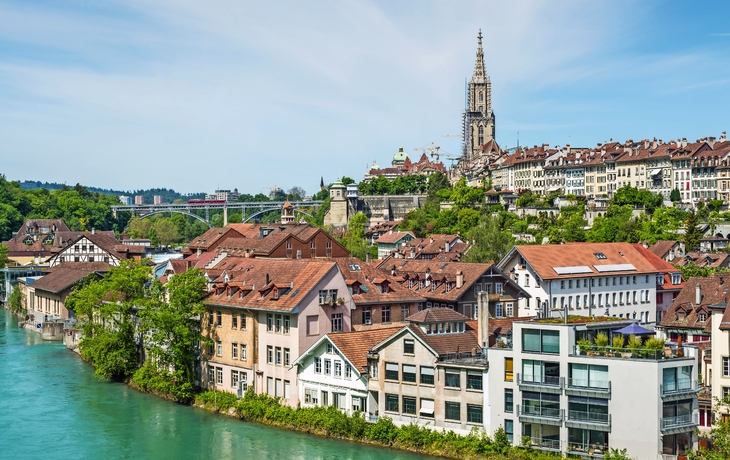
(641, 353)
(679, 387)
(548, 444)
(540, 412)
(596, 450)
(679, 421)
(589, 417)
(544, 381)
(473, 359)
(599, 385)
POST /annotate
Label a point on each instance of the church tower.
(478, 116)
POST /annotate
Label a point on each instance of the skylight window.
(600, 255)
(354, 267)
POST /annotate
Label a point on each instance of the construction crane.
(432, 150)
(274, 190)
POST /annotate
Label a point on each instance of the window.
(405, 311)
(317, 366)
(287, 389)
(270, 386)
(219, 375)
(540, 341)
(234, 321)
(498, 311)
(287, 356)
(474, 413)
(391, 403)
(453, 411)
(234, 350)
(278, 323)
(338, 369)
(323, 296)
(497, 288)
(277, 355)
(509, 427)
(509, 400)
(211, 374)
(391, 371)
(244, 355)
(453, 379)
(327, 366)
(219, 319)
(427, 375)
(409, 405)
(473, 380)
(725, 366)
(510, 310)
(219, 348)
(386, 314)
(269, 354)
(409, 373)
(337, 322)
(243, 320)
(677, 378)
(508, 369)
(408, 346)
(234, 379)
(287, 323)
(348, 372)
(211, 349)
(426, 408)
(367, 315)
(527, 280)
(269, 322)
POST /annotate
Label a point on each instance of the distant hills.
(168, 195)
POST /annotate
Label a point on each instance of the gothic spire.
(480, 71)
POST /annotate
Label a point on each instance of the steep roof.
(367, 276)
(393, 237)
(252, 283)
(212, 236)
(61, 279)
(584, 259)
(355, 345)
(662, 247)
(436, 315)
(713, 294)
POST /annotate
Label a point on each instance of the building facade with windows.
(609, 279)
(292, 304)
(334, 371)
(720, 376)
(585, 402)
(431, 372)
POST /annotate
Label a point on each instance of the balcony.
(552, 445)
(545, 415)
(680, 422)
(587, 450)
(642, 353)
(678, 389)
(581, 419)
(589, 387)
(547, 384)
(465, 359)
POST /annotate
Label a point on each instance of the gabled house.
(334, 371)
(392, 240)
(92, 247)
(380, 300)
(668, 250)
(455, 285)
(262, 314)
(210, 240)
(449, 248)
(292, 241)
(431, 372)
(34, 241)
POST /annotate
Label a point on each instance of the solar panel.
(572, 270)
(614, 268)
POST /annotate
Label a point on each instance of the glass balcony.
(678, 388)
(589, 450)
(540, 381)
(540, 412)
(598, 386)
(545, 444)
(589, 417)
(680, 421)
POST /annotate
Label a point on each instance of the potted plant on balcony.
(584, 346)
(601, 341)
(653, 347)
(633, 346)
(340, 301)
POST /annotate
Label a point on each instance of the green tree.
(675, 196)
(354, 239)
(106, 310)
(692, 233)
(152, 236)
(489, 241)
(4, 258)
(166, 232)
(16, 300)
(171, 328)
(139, 228)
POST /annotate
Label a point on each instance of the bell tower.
(478, 117)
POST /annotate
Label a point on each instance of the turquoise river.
(51, 406)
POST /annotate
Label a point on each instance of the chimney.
(93, 230)
(567, 148)
(684, 142)
(711, 141)
(267, 279)
(723, 136)
(367, 257)
(392, 270)
(698, 294)
(459, 279)
(413, 253)
(483, 319)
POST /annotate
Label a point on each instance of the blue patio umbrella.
(633, 329)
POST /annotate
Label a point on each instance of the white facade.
(570, 402)
(328, 378)
(84, 250)
(619, 294)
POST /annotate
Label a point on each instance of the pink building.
(139, 199)
(158, 199)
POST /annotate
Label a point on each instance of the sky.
(224, 94)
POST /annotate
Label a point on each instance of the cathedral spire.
(480, 71)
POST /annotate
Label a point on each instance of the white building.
(720, 375)
(583, 402)
(585, 279)
(334, 370)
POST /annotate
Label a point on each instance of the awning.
(426, 406)
(633, 329)
(655, 172)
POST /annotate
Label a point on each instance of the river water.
(51, 406)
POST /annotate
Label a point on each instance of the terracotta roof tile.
(435, 315)
(355, 345)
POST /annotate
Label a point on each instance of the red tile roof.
(355, 345)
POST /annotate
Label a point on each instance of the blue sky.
(198, 95)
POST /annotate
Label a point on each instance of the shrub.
(618, 341)
(634, 342)
(601, 339)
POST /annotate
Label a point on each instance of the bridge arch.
(272, 208)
